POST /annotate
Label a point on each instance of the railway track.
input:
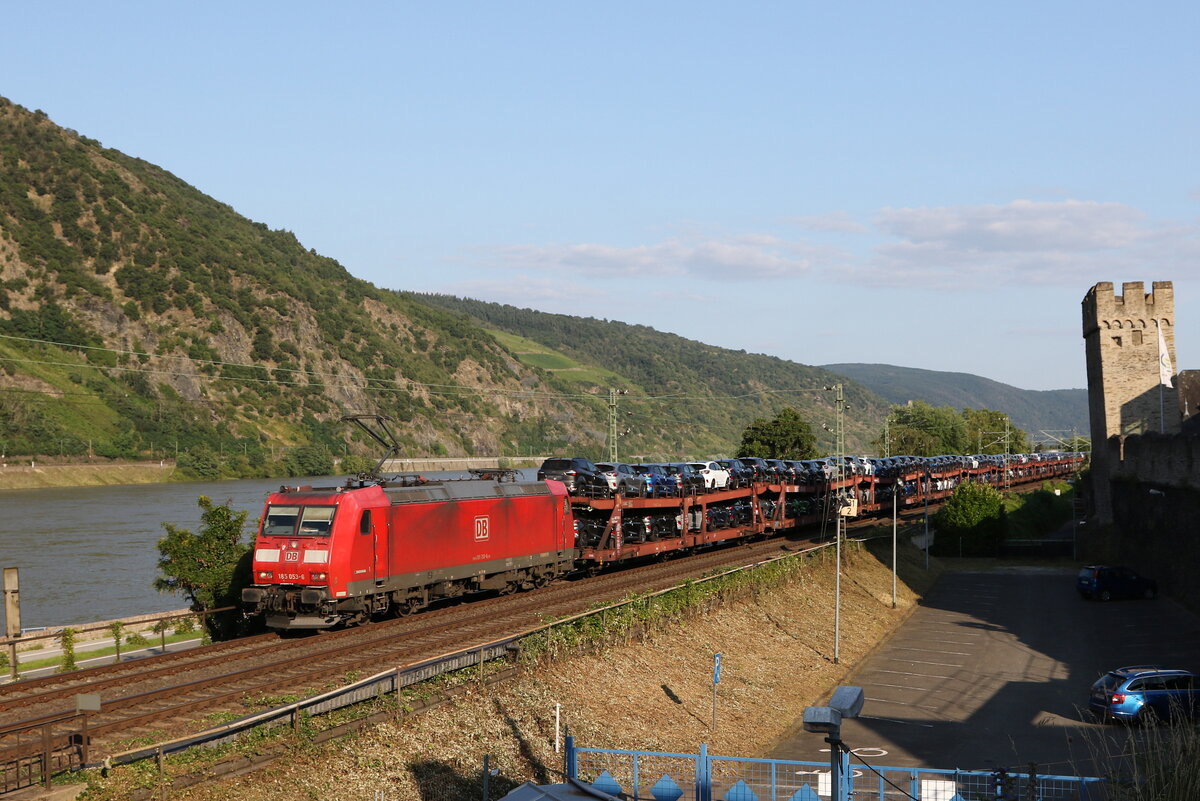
(175, 694)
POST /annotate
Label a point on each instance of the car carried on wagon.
(715, 475)
(659, 483)
(581, 476)
(622, 478)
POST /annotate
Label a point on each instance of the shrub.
(209, 568)
(971, 521)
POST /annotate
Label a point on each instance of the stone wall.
(1155, 490)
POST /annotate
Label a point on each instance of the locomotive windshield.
(314, 521)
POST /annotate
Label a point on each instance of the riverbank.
(32, 474)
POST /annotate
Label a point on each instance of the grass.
(82, 655)
(538, 355)
(1033, 515)
(1158, 763)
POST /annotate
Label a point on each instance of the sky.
(932, 185)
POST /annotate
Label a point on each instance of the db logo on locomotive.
(481, 528)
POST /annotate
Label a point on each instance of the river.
(90, 553)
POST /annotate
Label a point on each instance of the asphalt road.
(992, 670)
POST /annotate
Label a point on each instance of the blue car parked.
(1104, 582)
(1146, 694)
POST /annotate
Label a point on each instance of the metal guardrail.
(704, 777)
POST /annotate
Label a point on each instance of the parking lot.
(993, 669)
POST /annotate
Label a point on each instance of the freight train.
(372, 547)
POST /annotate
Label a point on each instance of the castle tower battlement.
(1120, 335)
(1132, 308)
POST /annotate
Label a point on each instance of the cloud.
(1022, 225)
(525, 291)
(1038, 242)
(835, 222)
(748, 257)
(1024, 242)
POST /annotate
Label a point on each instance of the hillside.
(679, 383)
(140, 318)
(1058, 410)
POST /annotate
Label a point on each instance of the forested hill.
(1061, 410)
(141, 318)
(678, 381)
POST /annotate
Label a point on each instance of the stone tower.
(1125, 395)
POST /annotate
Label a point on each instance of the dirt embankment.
(31, 475)
(650, 691)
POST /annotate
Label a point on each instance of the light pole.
(839, 434)
(926, 493)
(613, 392)
(846, 703)
(895, 520)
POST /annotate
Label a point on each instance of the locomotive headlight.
(318, 576)
(265, 574)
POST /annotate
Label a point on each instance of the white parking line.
(893, 720)
(918, 661)
(901, 687)
(902, 703)
(906, 673)
(917, 634)
(930, 650)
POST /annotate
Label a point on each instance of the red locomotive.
(341, 555)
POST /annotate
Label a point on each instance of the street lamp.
(846, 703)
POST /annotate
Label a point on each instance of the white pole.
(894, 521)
(926, 525)
(837, 592)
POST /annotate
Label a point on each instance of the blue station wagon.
(1145, 694)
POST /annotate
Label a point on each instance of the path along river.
(90, 553)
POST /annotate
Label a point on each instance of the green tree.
(66, 639)
(787, 436)
(984, 432)
(354, 464)
(209, 568)
(925, 430)
(200, 462)
(971, 522)
(308, 460)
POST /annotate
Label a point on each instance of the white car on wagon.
(715, 476)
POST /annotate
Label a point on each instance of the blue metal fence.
(657, 776)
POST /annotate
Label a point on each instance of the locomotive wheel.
(406, 608)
